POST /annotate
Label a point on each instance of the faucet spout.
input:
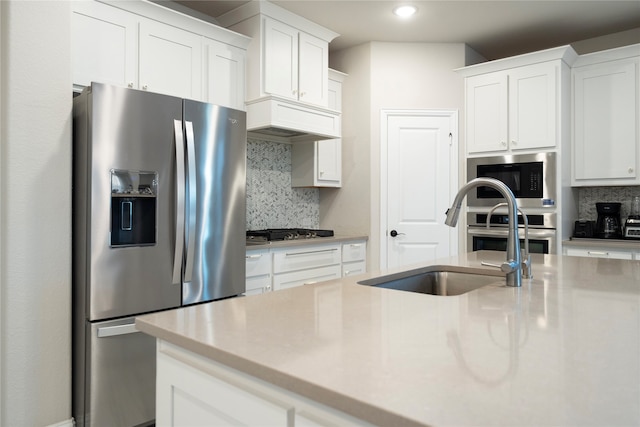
(512, 266)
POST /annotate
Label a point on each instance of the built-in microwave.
(531, 178)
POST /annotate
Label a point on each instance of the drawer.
(305, 277)
(305, 258)
(258, 284)
(354, 251)
(354, 268)
(598, 253)
(258, 262)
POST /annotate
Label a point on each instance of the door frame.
(385, 114)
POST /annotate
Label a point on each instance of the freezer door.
(216, 207)
(118, 376)
(124, 139)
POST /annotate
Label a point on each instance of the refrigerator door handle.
(112, 331)
(180, 190)
(191, 224)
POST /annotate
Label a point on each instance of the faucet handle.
(505, 267)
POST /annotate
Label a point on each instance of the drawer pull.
(598, 253)
(356, 245)
(311, 252)
(254, 256)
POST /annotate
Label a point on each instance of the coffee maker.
(632, 225)
(608, 225)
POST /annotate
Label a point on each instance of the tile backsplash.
(271, 201)
(589, 196)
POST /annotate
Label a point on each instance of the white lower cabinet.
(601, 253)
(306, 265)
(282, 268)
(258, 265)
(192, 390)
(354, 255)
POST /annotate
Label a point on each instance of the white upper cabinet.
(319, 163)
(104, 45)
(518, 104)
(170, 60)
(513, 109)
(606, 146)
(224, 74)
(296, 64)
(145, 46)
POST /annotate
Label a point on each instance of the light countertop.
(306, 242)
(562, 350)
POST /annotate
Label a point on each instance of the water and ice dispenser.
(133, 208)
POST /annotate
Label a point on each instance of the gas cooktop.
(272, 234)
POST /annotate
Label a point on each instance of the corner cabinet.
(515, 104)
(319, 163)
(606, 96)
(145, 46)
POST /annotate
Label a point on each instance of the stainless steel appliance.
(542, 232)
(271, 234)
(608, 225)
(531, 178)
(158, 222)
(632, 224)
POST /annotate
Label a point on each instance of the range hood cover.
(284, 120)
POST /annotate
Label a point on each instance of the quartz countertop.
(305, 242)
(562, 350)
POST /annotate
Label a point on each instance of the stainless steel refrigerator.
(158, 223)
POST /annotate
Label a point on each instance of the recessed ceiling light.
(405, 11)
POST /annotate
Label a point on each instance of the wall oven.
(531, 178)
(542, 232)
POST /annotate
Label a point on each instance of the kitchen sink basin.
(436, 281)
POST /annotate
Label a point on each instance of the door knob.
(394, 233)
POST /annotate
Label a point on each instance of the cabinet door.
(224, 75)
(170, 60)
(313, 77)
(605, 123)
(280, 59)
(329, 162)
(486, 100)
(103, 45)
(532, 107)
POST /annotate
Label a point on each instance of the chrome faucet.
(526, 257)
(512, 266)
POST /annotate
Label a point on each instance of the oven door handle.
(535, 233)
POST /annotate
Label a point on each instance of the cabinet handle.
(598, 253)
(254, 256)
(630, 170)
(294, 92)
(130, 84)
(302, 94)
(504, 144)
(514, 142)
(145, 87)
(311, 252)
(356, 245)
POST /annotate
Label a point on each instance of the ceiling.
(495, 29)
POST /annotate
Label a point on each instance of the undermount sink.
(436, 281)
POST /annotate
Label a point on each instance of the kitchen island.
(562, 350)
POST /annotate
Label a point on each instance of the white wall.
(35, 208)
(384, 76)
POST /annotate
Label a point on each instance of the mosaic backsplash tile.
(271, 202)
(589, 196)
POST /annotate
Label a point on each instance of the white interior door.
(420, 152)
